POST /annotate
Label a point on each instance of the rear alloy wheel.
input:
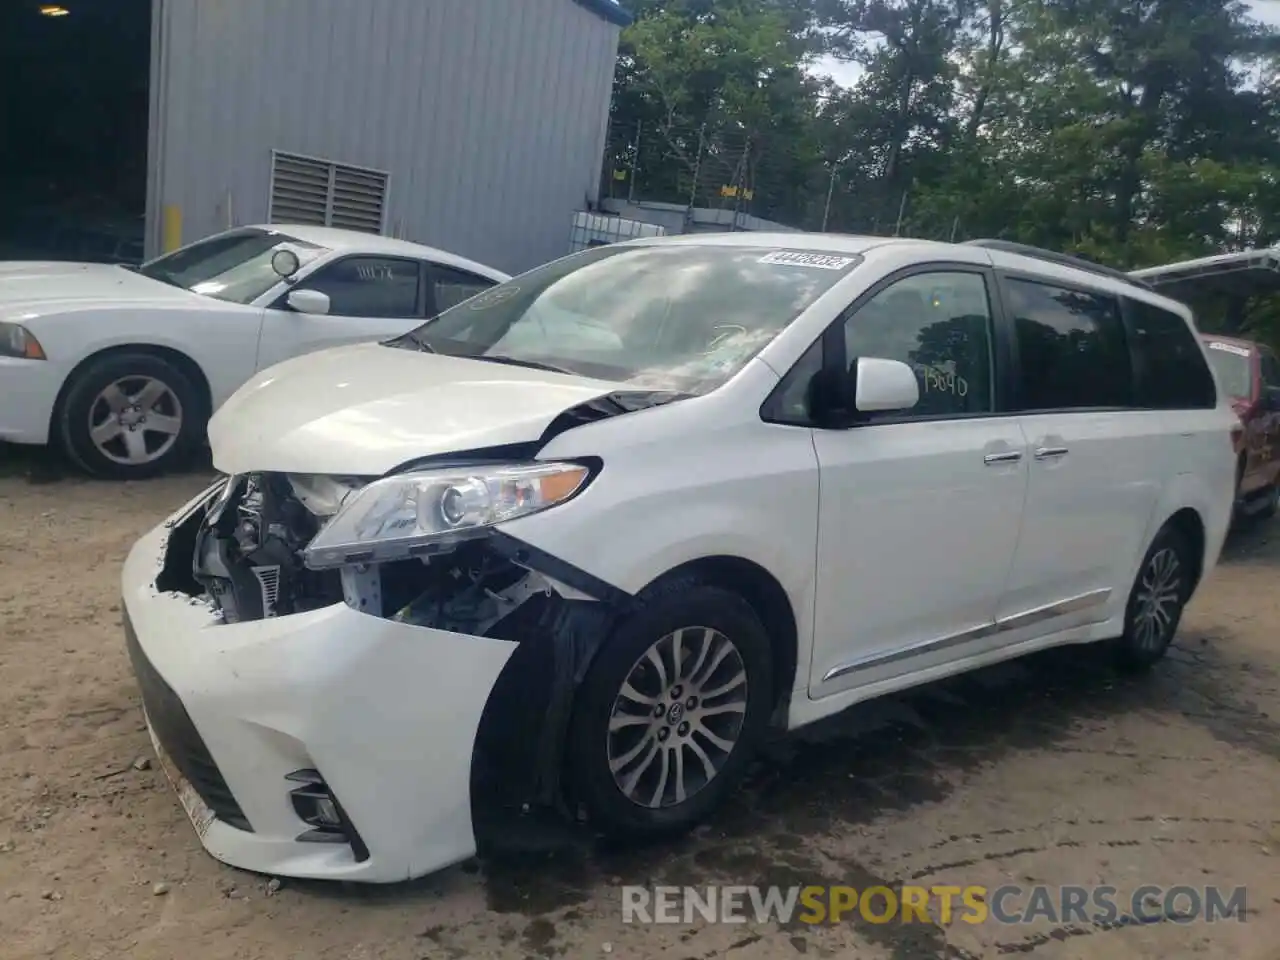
(670, 712)
(129, 416)
(1160, 592)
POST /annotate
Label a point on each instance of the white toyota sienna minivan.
(575, 545)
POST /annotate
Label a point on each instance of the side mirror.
(871, 385)
(308, 301)
(879, 385)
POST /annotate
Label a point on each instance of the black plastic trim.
(607, 406)
(345, 832)
(527, 555)
(179, 738)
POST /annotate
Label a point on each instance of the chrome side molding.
(1018, 621)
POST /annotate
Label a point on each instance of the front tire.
(671, 711)
(127, 416)
(1160, 592)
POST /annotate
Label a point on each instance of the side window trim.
(1003, 275)
(833, 351)
(425, 299)
(281, 302)
(1139, 368)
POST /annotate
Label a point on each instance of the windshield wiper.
(410, 339)
(517, 362)
(161, 277)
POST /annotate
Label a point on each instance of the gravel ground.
(1052, 770)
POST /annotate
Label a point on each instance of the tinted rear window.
(1173, 371)
(1071, 347)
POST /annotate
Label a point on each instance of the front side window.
(677, 317)
(368, 287)
(940, 325)
(1233, 365)
(1072, 351)
(1174, 374)
(233, 266)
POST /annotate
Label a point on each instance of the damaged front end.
(423, 553)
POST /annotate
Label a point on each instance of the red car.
(1249, 373)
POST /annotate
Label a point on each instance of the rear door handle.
(1051, 453)
(1007, 456)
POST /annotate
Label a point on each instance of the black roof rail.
(1062, 259)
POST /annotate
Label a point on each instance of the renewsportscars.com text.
(1009, 904)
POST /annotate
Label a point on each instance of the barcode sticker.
(801, 258)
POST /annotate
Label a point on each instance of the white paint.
(76, 310)
(882, 538)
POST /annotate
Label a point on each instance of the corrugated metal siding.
(490, 116)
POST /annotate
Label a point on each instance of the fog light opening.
(315, 805)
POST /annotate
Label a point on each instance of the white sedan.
(122, 367)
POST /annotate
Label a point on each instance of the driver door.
(370, 298)
(919, 511)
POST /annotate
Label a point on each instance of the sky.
(846, 74)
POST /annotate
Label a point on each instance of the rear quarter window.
(1172, 371)
(1233, 364)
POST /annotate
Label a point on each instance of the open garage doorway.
(73, 129)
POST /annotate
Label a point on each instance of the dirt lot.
(1053, 771)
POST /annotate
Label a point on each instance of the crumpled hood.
(364, 409)
(38, 288)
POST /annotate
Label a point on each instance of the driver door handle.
(1050, 453)
(1006, 456)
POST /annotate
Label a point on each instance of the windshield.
(233, 266)
(679, 317)
(1234, 368)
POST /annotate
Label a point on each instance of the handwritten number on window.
(374, 272)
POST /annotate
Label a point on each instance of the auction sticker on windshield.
(1229, 348)
(802, 258)
(198, 811)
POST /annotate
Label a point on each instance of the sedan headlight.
(17, 341)
(413, 514)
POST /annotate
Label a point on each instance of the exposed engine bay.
(246, 559)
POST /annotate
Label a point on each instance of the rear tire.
(1160, 591)
(1268, 510)
(671, 711)
(132, 415)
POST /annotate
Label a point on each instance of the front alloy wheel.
(677, 717)
(668, 715)
(128, 415)
(135, 421)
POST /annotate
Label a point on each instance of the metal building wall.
(489, 115)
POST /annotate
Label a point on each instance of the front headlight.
(17, 341)
(413, 514)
